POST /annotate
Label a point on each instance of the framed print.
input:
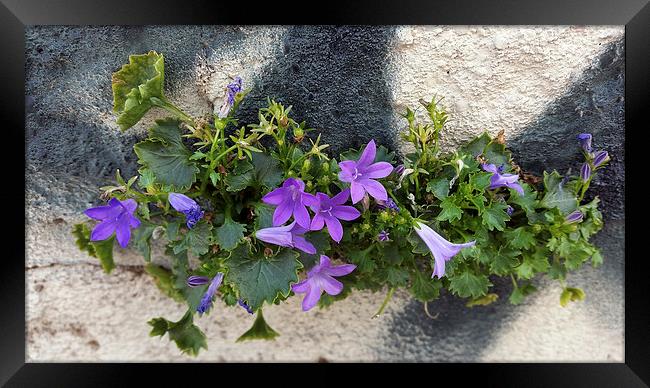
(363, 188)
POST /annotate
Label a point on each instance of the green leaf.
(468, 284)
(172, 231)
(104, 252)
(528, 201)
(439, 187)
(495, 216)
(596, 259)
(557, 196)
(241, 177)
(364, 262)
(260, 330)
(82, 238)
(259, 278)
(164, 281)
(267, 171)
(504, 261)
(450, 211)
(229, 234)
(142, 239)
(423, 287)
(520, 237)
(497, 154)
(483, 301)
(133, 86)
(570, 294)
(419, 246)
(533, 263)
(188, 337)
(396, 276)
(166, 156)
(477, 145)
(519, 293)
(196, 240)
(480, 181)
(263, 215)
(321, 241)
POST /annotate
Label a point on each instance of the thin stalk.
(168, 106)
(385, 303)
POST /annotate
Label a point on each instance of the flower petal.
(368, 155)
(311, 299)
(317, 222)
(282, 213)
(378, 170)
(276, 196)
(375, 189)
(330, 285)
(309, 199)
(294, 182)
(301, 215)
(347, 170)
(301, 287)
(103, 212)
(490, 168)
(123, 233)
(357, 191)
(517, 187)
(280, 235)
(301, 243)
(334, 228)
(438, 268)
(346, 213)
(181, 202)
(340, 270)
(103, 230)
(133, 222)
(341, 198)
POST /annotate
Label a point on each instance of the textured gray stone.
(542, 85)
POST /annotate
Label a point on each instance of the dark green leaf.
(263, 216)
(423, 287)
(321, 240)
(166, 156)
(520, 237)
(104, 252)
(196, 240)
(480, 181)
(528, 201)
(477, 145)
(258, 278)
(468, 284)
(188, 337)
(260, 330)
(164, 281)
(241, 177)
(363, 259)
(229, 234)
(495, 216)
(439, 187)
(533, 263)
(519, 293)
(267, 170)
(450, 211)
(142, 239)
(557, 196)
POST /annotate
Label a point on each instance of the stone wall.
(542, 85)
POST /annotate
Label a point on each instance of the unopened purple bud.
(576, 216)
(383, 236)
(585, 141)
(600, 157)
(398, 170)
(245, 306)
(195, 281)
(510, 210)
(585, 172)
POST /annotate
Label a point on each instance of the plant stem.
(168, 106)
(385, 303)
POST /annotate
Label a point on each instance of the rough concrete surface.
(542, 85)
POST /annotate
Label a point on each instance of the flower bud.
(585, 141)
(600, 158)
(585, 172)
(576, 216)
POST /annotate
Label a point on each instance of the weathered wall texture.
(543, 85)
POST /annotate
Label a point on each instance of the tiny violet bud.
(576, 216)
(195, 281)
(383, 236)
(600, 158)
(585, 172)
(509, 210)
(585, 141)
(245, 306)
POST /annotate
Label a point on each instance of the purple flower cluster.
(231, 91)
(594, 161)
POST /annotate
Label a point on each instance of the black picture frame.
(16, 14)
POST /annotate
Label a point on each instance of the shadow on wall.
(593, 104)
(334, 77)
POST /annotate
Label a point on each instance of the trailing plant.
(255, 213)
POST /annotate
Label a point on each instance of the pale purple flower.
(499, 179)
(328, 211)
(287, 236)
(116, 217)
(245, 306)
(290, 200)
(600, 157)
(441, 249)
(195, 281)
(231, 91)
(187, 206)
(576, 216)
(383, 236)
(321, 278)
(585, 172)
(585, 141)
(206, 300)
(361, 174)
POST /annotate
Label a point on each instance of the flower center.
(356, 174)
(294, 193)
(328, 210)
